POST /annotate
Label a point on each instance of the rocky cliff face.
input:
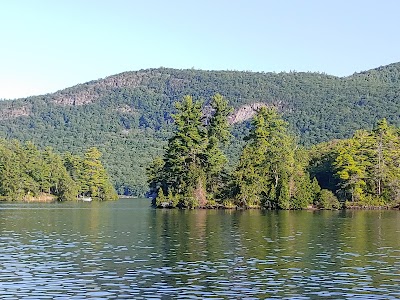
(8, 113)
(245, 112)
(90, 92)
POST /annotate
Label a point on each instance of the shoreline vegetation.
(33, 175)
(273, 172)
(127, 116)
(348, 206)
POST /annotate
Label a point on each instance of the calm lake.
(125, 249)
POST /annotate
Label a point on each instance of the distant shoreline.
(311, 208)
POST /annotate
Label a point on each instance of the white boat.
(86, 199)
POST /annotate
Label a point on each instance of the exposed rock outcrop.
(8, 113)
(92, 91)
(245, 112)
(126, 109)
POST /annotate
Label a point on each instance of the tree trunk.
(200, 193)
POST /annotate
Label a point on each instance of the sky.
(48, 45)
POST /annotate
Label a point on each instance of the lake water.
(125, 249)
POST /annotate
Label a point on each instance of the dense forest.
(273, 171)
(129, 116)
(30, 174)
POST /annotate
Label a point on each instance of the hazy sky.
(47, 45)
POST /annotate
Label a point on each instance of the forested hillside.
(128, 116)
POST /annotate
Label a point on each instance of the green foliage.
(11, 175)
(271, 171)
(26, 171)
(155, 175)
(321, 164)
(189, 202)
(58, 181)
(95, 178)
(161, 199)
(172, 199)
(315, 187)
(184, 157)
(218, 133)
(128, 116)
(193, 160)
(327, 200)
(351, 168)
(366, 166)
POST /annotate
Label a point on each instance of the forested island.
(273, 171)
(30, 174)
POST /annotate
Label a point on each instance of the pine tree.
(351, 168)
(386, 162)
(32, 166)
(218, 135)
(10, 173)
(266, 165)
(59, 182)
(184, 160)
(74, 166)
(161, 199)
(95, 177)
(26, 171)
(155, 177)
(368, 165)
(192, 168)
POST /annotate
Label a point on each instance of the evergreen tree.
(386, 162)
(10, 173)
(192, 167)
(367, 166)
(32, 166)
(304, 191)
(184, 160)
(155, 177)
(28, 172)
(59, 182)
(327, 200)
(218, 136)
(351, 165)
(262, 173)
(268, 173)
(95, 178)
(161, 199)
(74, 166)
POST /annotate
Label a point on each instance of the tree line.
(28, 173)
(130, 113)
(273, 170)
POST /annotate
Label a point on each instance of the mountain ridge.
(110, 78)
(128, 115)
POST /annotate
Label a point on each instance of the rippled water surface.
(125, 249)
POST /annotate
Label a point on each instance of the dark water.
(125, 249)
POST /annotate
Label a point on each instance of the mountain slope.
(127, 116)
